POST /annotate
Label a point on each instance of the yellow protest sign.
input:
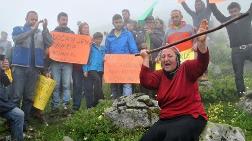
(187, 55)
(158, 66)
(120, 68)
(184, 55)
(43, 92)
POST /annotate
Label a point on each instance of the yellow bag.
(43, 91)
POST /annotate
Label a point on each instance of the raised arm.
(187, 9)
(148, 78)
(19, 35)
(216, 12)
(195, 68)
(47, 37)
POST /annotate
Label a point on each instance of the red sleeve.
(149, 79)
(196, 68)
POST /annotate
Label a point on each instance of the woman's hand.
(201, 40)
(202, 28)
(144, 54)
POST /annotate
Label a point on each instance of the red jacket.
(179, 96)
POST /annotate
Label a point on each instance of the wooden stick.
(197, 35)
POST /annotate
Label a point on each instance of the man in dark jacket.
(150, 38)
(8, 109)
(240, 37)
(201, 12)
(126, 17)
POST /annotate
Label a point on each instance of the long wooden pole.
(197, 35)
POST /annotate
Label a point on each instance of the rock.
(221, 132)
(140, 110)
(245, 102)
(137, 110)
(66, 138)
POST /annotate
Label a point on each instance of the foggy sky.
(97, 13)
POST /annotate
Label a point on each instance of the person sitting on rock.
(8, 109)
(182, 115)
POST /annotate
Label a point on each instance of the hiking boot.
(27, 128)
(241, 94)
(39, 116)
(67, 111)
(54, 112)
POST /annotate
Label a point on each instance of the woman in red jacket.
(182, 114)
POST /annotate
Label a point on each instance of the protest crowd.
(170, 76)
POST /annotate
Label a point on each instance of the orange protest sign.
(120, 68)
(215, 1)
(70, 48)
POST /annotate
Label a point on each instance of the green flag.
(147, 13)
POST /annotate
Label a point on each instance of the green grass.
(91, 125)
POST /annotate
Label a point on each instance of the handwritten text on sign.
(187, 55)
(120, 68)
(70, 48)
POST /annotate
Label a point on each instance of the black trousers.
(93, 88)
(238, 58)
(184, 128)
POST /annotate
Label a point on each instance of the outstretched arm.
(250, 11)
(47, 37)
(195, 68)
(187, 9)
(148, 78)
(216, 12)
(18, 35)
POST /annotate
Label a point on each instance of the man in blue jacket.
(28, 59)
(120, 41)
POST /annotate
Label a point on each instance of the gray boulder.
(137, 110)
(221, 132)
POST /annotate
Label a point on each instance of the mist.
(97, 13)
